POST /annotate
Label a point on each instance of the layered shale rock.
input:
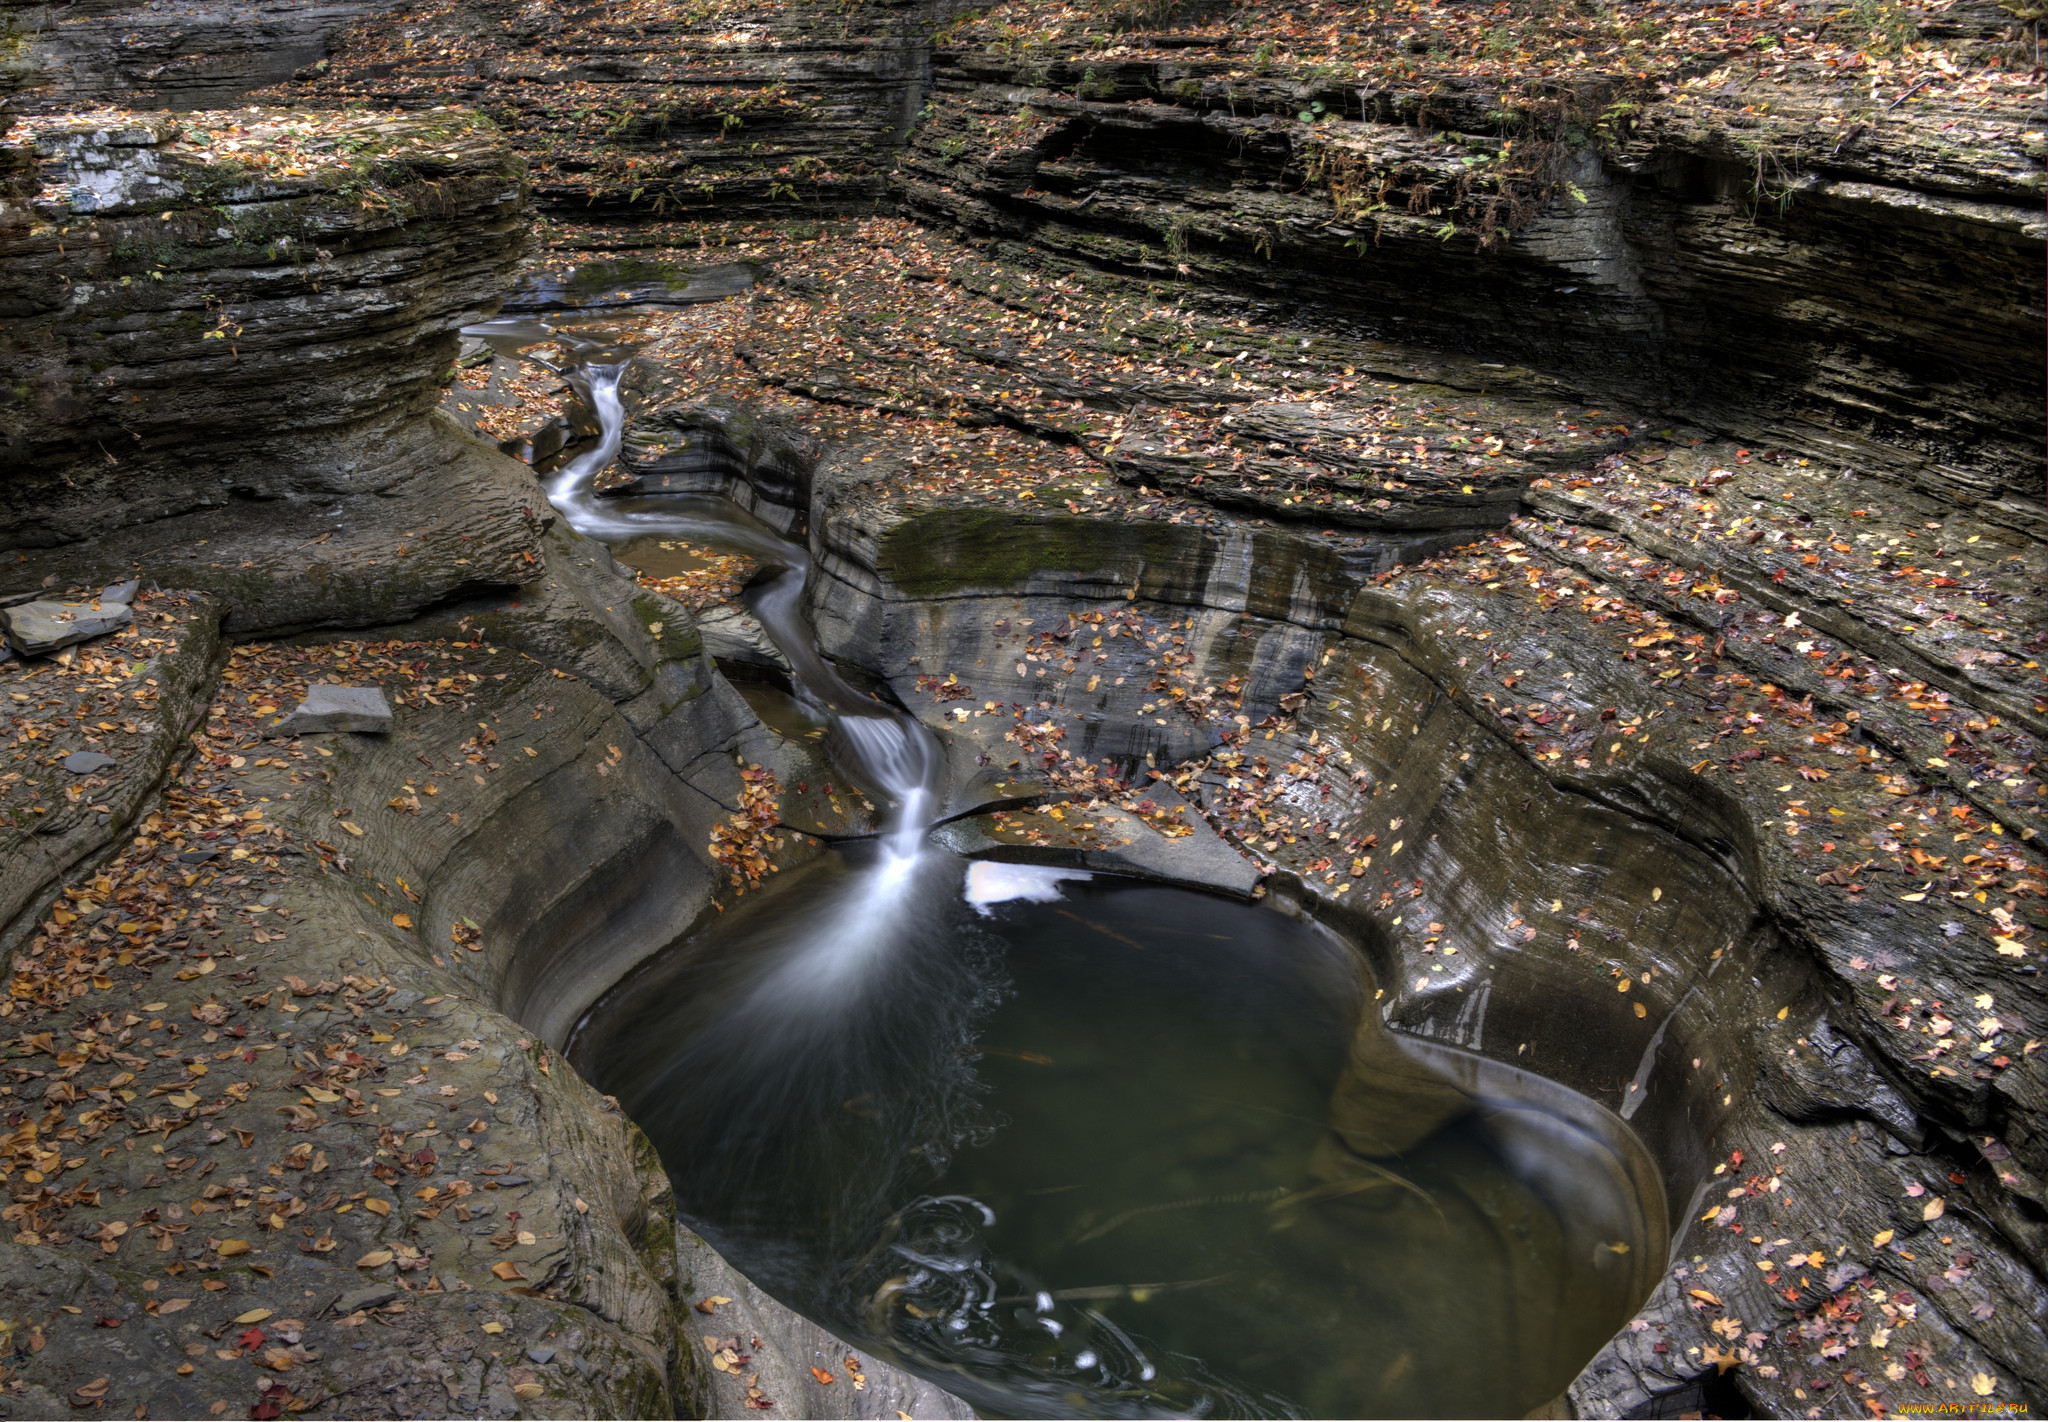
(226, 334)
(1762, 252)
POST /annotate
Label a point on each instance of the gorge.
(1239, 708)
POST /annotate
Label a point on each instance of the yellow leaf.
(376, 1258)
(229, 1248)
(352, 827)
(1933, 1209)
(1983, 1384)
(507, 1270)
(1881, 1238)
(254, 1315)
(494, 1328)
(1784, 1012)
(377, 1207)
(403, 920)
(184, 1100)
(527, 1390)
(323, 1097)
(1704, 1297)
(708, 1304)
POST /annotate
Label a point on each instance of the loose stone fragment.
(338, 708)
(36, 627)
(86, 762)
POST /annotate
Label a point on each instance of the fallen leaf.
(229, 1248)
(1881, 1238)
(1933, 1209)
(1983, 1384)
(1704, 1297)
(507, 1270)
(375, 1259)
(376, 1206)
(710, 1304)
(254, 1315)
(822, 1376)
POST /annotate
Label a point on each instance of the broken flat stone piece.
(36, 627)
(120, 593)
(337, 708)
(86, 762)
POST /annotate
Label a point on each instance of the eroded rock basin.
(1076, 1146)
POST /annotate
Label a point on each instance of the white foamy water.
(885, 749)
(990, 883)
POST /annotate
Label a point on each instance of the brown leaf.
(507, 1270)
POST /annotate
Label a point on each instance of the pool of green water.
(1115, 1149)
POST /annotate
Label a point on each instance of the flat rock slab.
(37, 627)
(86, 762)
(338, 708)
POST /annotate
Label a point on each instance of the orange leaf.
(821, 1375)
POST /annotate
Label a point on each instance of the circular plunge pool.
(1073, 1146)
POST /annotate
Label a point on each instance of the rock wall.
(231, 329)
(176, 56)
(1878, 307)
(716, 111)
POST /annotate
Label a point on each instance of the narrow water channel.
(1085, 1146)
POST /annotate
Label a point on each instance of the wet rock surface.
(1626, 631)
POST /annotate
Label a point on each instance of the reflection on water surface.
(1111, 1149)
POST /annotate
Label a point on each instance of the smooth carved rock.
(86, 762)
(37, 627)
(338, 708)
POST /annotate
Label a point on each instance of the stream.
(1070, 1144)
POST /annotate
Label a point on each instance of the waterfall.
(876, 744)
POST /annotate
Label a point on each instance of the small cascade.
(882, 747)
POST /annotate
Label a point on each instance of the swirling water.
(1076, 1152)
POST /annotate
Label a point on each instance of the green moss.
(958, 550)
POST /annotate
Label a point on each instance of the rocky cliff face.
(226, 334)
(707, 112)
(1761, 251)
